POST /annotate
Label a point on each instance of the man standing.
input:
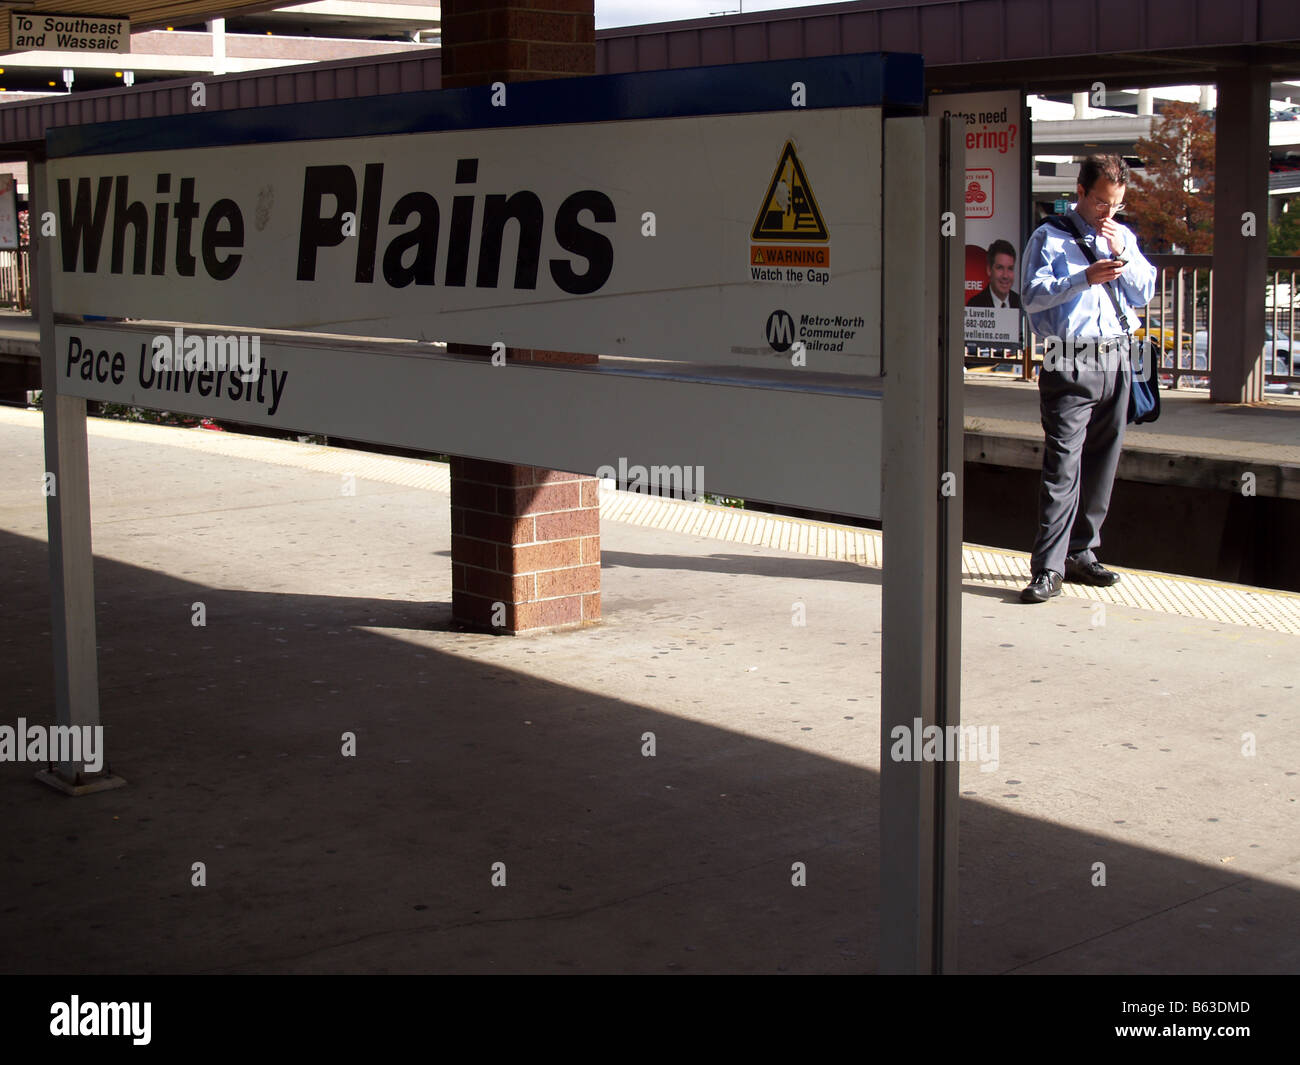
(1083, 398)
(1002, 275)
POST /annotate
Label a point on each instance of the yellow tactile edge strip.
(1190, 597)
(1185, 596)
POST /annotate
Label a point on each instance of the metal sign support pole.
(924, 244)
(67, 487)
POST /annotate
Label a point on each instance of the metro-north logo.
(780, 331)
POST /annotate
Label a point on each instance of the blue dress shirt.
(1056, 295)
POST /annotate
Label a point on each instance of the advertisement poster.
(994, 139)
(8, 213)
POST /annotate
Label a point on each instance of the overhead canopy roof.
(1055, 45)
(144, 14)
(1045, 45)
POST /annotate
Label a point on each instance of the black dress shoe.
(1046, 583)
(1093, 573)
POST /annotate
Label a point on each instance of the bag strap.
(1120, 316)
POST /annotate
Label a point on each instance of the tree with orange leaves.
(1171, 204)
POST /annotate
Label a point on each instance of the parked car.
(1190, 360)
(1166, 334)
(1277, 351)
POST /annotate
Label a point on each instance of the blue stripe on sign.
(894, 80)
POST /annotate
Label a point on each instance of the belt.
(1088, 353)
(1111, 343)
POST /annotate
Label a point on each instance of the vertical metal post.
(1240, 251)
(1209, 319)
(922, 334)
(1028, 223)
(67, 487)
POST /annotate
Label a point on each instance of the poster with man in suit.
(998, 293)
(993, 313)
(994, 159)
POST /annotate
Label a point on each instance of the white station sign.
(737, 239)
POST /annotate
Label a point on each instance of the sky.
(636, 12)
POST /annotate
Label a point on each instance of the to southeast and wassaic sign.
(680, 238)
(36, 31)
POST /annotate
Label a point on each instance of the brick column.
(516, 40)
(525, 545)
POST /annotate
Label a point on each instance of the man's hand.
(1104, 270)
(1109, 229)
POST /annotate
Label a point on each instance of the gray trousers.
(1084, 415)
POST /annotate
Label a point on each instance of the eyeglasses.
(1109, 208)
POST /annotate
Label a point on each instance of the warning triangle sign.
(789, 210)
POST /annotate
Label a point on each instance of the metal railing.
(1179, 319)
(1281, 304)
(15, 279)
(1179, 315)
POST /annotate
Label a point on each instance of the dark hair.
(1111, 167)
(1001, 247)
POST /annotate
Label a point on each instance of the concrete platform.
(1194, 443)
(1121, 734)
